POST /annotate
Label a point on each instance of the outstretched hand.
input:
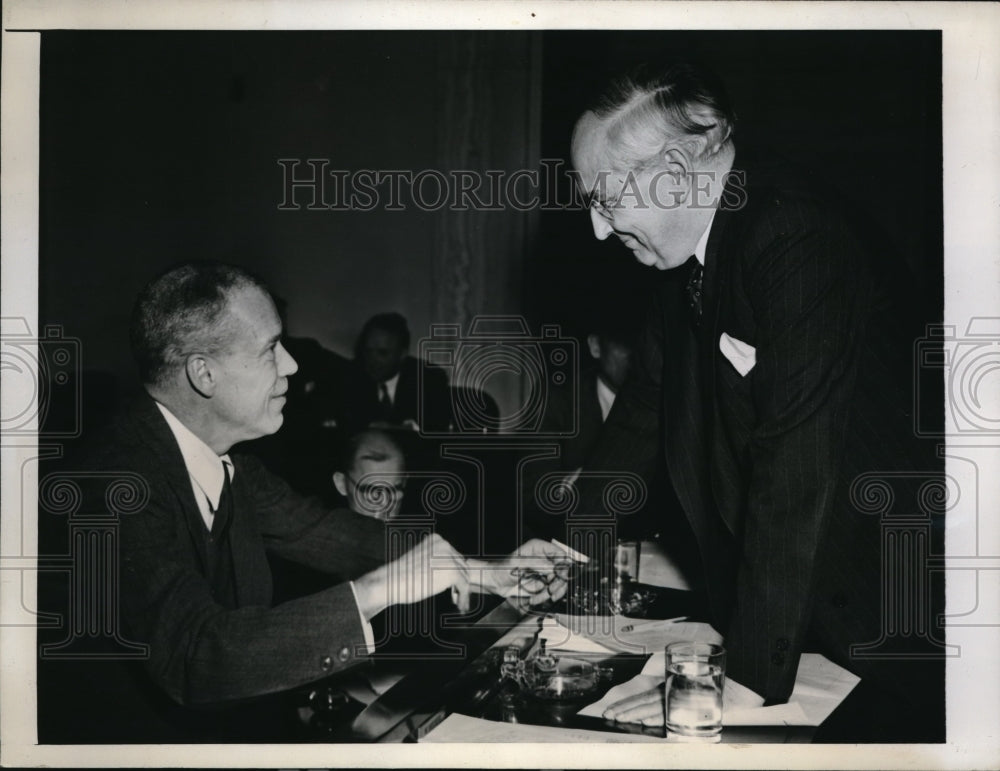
(646, 708)
(536, 572)
(429, 568)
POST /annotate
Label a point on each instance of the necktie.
(384, 400)
(693, 290)
(221, 512)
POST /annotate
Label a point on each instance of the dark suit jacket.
(762, 464)
(421, 395)
(587, 421)
(201, 652)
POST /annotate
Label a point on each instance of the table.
(433, 690)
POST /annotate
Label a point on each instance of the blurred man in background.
(371, 474)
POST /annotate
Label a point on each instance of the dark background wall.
(160, 147)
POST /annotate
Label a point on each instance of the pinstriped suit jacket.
(200, 652)
(762, 462)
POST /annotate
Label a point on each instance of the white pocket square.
(741, 355)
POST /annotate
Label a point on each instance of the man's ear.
(674, 181)
(340, 482)
(594, 344)
(677, 161)
(200, 374)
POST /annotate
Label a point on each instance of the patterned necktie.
(693, 290)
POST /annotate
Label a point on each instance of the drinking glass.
(696, 674)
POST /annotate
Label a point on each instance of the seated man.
(577, 411)
(195, 583)
(371, 474)
(390, 387)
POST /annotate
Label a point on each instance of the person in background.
(390, 386)
(610, 345)
(371, 474)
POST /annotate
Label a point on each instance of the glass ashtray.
(552, 677)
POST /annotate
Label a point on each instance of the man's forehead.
(255, 311)
(592, 148)
(391, 465)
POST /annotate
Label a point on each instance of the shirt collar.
(203, 465)
(605, 397)
(701, 248)
(390, 386)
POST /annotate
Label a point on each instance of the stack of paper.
(624, 635)
(820, 686)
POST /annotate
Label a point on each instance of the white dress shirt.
(204, 467)
(702, 246)
(390, 387)
(605, 397)
(208, 475)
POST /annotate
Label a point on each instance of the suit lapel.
(715, 288)
(161, 440)
(253, 580)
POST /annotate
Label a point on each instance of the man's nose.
(286, 364)
(602, 228)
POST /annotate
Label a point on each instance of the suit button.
(839, 600)
(344, 654)
(782, 644)
(326, 663)
(778, 659)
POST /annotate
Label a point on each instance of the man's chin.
(651, 260)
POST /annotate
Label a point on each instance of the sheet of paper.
(560, 637)
(627, 635)
(820, 686)
(459, 728)
(368, 686)
(657, 568)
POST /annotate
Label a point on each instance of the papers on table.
(459, 728)
(657, 568)
(622, 635)
(820, 686)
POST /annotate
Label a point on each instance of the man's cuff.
(366, 627)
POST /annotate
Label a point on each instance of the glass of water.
(625, 572)
(696, 674)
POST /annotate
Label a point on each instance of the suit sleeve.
(302, 530)
(807, 295)
(202, 653)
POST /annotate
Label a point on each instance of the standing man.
(195, 583)
(769, 380)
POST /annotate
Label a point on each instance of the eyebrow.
(270, 342)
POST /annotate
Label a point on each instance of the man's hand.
(424, 571)
(536, 572)
(645, 708)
